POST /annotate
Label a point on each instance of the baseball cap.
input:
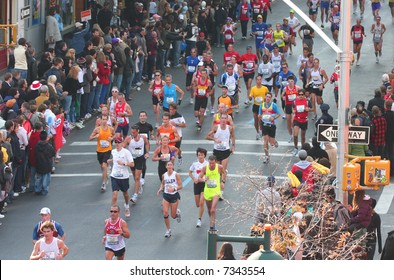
(201, 63)
(224, 86)
(291, 11)
(45, 211)
(259, 16)
(286, 19)
(119, 139)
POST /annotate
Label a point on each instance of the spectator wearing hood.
(306, 168)
(316, 152)
(360, 211)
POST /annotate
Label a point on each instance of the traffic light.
(351, 176)
(377, 173)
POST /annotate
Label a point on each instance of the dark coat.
(44, 152)
(363, 214)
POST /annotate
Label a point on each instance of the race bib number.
(231, 88)
(170, 99)
(157, 91)
(276, 65)
(285, 83)
(249, 65)
(357, 35)
(279, 42)
(291, 97)
(144, 134)
(191, 68)
(136, 152)
(260, 33)
(306, 32)
(244, 11)
(50, 256)
(201, 92)
(104, 144)
(228, 36)
(266, 117)
(300, 108)
(259, 99)
(265, 71)
(112, 239)
(120, 120)
(166, 157)
(221, 146)
(256, 11)
(211, 183)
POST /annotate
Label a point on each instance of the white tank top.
(276, 61)
(51, 250)
(224, 136)
(170, 182)
(377, 32)
(137, 148)
(316, 77)
(111, 108)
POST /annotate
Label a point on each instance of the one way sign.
(329, 133)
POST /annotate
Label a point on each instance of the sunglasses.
(113, 211)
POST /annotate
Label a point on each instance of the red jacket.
(33, 140)
(307, 172)
(103, 73)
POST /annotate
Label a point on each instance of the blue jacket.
(78, 41)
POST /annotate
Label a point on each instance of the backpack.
(341, 216)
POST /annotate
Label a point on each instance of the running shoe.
(377, 60)
(191, 101)
(295, 152)
(157, 125)
(141, 189)
(198, 223)
(247, 102)
(197, 121)
(205, 113)
(198, 127)
(258, 136)
(221, 196)
(138, 88)
(127, 212)
(168, 233)
(357, 63)
(212, 228)
(103, 187)
(1, 216)
(283, 117)
(266, 160)
(380, 53)
(134, 198)
(212, 110)
(276, 145)
(178, 215)
(179, 161)
(290, 139)
(138, 84)
(322, 26)
(236, 110)
(142, 181)
(314, 118)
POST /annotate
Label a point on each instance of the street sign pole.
(345, 58)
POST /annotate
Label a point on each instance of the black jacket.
(44, 152)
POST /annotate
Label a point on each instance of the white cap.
(45, 211)
(201, 63)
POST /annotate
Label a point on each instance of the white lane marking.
(193, 153)
(385, 200)
(195, 142)
(155, 174)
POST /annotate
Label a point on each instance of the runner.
(301, 63)
(104, 135)
(115, 231)
(122, 113)
(163, 154)
(194, 173)
(166, 129)
(282, 82)
(232, 81)
(358, 34)
(378, 30)
(190, 67)
(228, 31)
(58, 231)
(266, 71)
(279, 38)
(335, 19)
(138, 146)
(223, 109)
(228, 54)
(325, 8)
(170, 95)
(391, 5)
(307, 34)
(258, 31)
(146, 129)
(334, 79)
(317, 79)
(288, 33)
(212, 68)
(362, 8)
(268, 112)
(276, 59)
(294, 24)
(111, 117)
(257, 10)
(121, 159)
(177, 121)
(301, 107)
(214, 176)
(257, 93)
(155, 88)
(221, 135)
(243, 15)
(49, 247)
(111, 102)
(289, 95)
(170, 185)
(375, 5)
(249, 62)
(203, 88)
(313, 8)
(268, 39)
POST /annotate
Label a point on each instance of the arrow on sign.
(329, 133)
